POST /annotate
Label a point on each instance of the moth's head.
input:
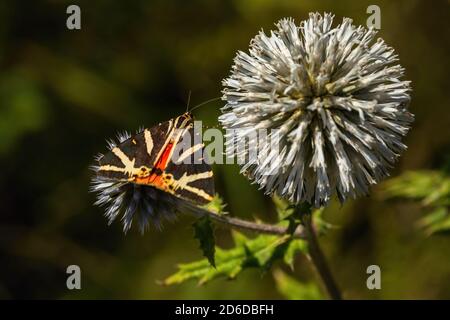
(188, 115)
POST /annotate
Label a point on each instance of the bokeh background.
(62, 93)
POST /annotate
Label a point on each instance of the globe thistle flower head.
(334, 99)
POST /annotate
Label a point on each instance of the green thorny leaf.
(432, 189)
(258, 252)
(286, 212)
(216, 205)
(294, 247)
(292, 289)
(203, 231)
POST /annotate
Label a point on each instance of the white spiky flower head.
(335, 97)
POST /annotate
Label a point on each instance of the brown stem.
(248, 225)
(318, 258)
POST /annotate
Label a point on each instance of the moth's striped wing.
(141, 151)
(192, 175)
(138, 151)
(146, 158)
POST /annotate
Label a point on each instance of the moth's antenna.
(188, 101)
(205, 102)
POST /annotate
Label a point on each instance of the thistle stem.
(318, 258)
(250, 226)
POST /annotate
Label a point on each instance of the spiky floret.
(336, 101)
(133, 202)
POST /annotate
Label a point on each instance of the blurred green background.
(62, 93)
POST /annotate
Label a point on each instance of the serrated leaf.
(216, 205)
(432, 189)
(295, 290)
(294, 247)
(322, 226)
(284, 210)
(203, 231)
(258, 252)
(437, 221)
(264, 258)
(441, 227)
(239, 238)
